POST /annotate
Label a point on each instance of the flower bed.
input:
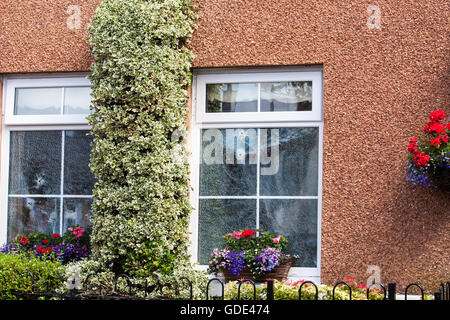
(289, 290)
(429, 156)
(72, 246)
(251, 254)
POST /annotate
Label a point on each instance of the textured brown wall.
(35, 37)
(379, 87)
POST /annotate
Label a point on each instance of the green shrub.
(289, 291)
(14, 275)
(140, 76)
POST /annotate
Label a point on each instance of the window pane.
(297, 220)
(289, 162)
(26, 215)
(232, 97)
(77, 100)
(286, 96)
(77, 212)
(228, 164)
(35, 162)
(218, 217)
(78, 178)
(37, 101)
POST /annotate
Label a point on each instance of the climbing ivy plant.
(140, 76)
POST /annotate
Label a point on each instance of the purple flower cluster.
(232, 260)
(443, 161)
(12, 248)
(269, 258)
(425, 176)
(74, 252)
(418, 177)
(236, 261)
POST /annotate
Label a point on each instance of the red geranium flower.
(55, 235)
(412, 148)
(421, 159)
(413, 140)
(437, 115)
(248, 233)
(237, 234)
(45, 241)
(434, 127)
(24, 240)
(435, 142)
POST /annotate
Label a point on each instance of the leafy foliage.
(15, 270)
(289, 290)
(140, 77)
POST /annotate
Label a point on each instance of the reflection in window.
(78, 178)
(77, 211)
(33, 214)
(232, 97)
(37, 170)
(50, 101)
(77, 100)
(286, 96)
(219, 216)
(37, 101)
(233, 185)
(35, 162)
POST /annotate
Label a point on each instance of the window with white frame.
(46, 180)
(258, 145)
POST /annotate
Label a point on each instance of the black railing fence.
(86, 293)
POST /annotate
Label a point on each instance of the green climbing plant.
(140, 76)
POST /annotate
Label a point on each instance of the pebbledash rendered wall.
(385, 68)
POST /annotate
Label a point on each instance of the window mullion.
(259, 97)
(257, 174)
(62, 100)
(61, 205)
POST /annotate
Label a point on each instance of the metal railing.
(87, 294)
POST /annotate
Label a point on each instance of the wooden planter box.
(279, 273)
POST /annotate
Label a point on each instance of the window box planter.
(279, 273)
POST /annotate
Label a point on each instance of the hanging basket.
(443, 181)
(279, 273)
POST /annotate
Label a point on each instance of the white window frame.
(257, 77)
(58, 82)
(11, 122)
(202, 120)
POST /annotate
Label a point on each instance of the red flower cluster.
(24, 240)
(43, 250)
(436, 128)
(421, 159)
(248, 233)
(245, 233)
